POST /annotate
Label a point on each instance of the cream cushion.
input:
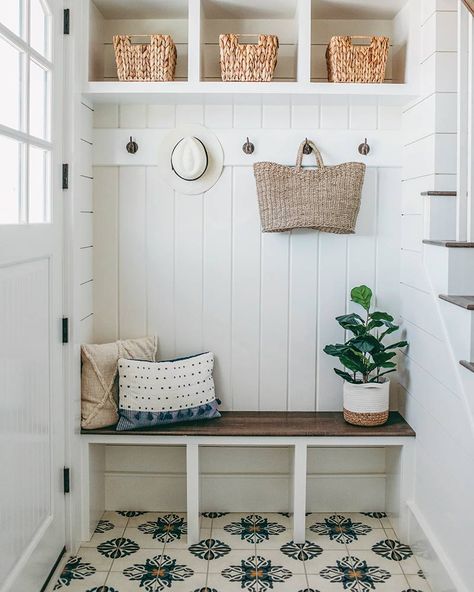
(99, 384)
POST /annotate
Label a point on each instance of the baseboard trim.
(438, 568)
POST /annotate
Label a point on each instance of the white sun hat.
(191, 159)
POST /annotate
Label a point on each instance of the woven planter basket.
(247, 62)
(326, 198)
(146, 62)
(367, 404)
(357, 63)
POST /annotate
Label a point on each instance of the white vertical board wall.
(431, 395)
(198, 272)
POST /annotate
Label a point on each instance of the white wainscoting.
(198, 272)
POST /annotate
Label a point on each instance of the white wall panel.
(160, 247)
(106, 259)
(245, 293)
(132, 261)
(198, 272)
(217, 282)
(188, 273)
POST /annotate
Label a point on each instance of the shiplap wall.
(198, 272)
(431, 396)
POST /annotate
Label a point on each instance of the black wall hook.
(248, 147)
(307, 148)
(132, 147)
(364, 148)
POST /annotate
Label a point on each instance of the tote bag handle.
(316, 152)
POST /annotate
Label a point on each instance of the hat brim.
(215, 155)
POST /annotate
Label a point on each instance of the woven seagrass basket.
(349, 62)
(147, 62)
(326, 198)
(248, 62)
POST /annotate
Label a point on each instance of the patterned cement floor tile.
(145, 580)
(79, 575)
(104, 535)
(418, 584)
(147, 540)
(243, 551)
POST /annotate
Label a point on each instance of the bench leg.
(192, 491)
(299, 492)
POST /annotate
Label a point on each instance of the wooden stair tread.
(271, 423)
(468, 365)
(466, 302)
(451, 244)
(439, 193)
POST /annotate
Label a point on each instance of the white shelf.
(165, 92)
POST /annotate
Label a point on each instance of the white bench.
(296, 430)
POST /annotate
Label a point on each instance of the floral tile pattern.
(75, 569)
(116, 548)
(355, 574)
(257, 574)
(394, 550)
(243, 552)
(166, 528)
(210, 549)
(254, 528)
(341, 529)
(103, 526)
(301, 551)
(158, 573)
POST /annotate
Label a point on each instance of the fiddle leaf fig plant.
(365, 356)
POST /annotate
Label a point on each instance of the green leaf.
(345, 375)
(381, 316)
(366, 344)
(335, 350)
(362, 295)
(353, 363)
(352, 322)
(383, 356)
(375, 378)
(397, 345)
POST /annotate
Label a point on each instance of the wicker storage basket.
(148, 62)
(326, 198)
(248, 62)
(357, 63)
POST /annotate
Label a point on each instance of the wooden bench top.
(271, 423)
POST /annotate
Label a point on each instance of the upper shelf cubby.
(390, 18)
(304, 28)
(134, 17)
(251, 18)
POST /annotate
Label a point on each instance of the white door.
(32, 532)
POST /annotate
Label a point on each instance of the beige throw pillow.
(99, 384)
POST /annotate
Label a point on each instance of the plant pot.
(366, 404)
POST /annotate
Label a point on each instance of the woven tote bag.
(326, 198)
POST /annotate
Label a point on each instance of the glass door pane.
(10, 15)
(10, 167)
(39, 94)
(10, 59)
(38, 202)
(39, 30)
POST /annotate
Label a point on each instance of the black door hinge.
(65, 330)
(67, 479)
(65, 176)
(67, 21)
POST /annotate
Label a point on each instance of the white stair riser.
(451, 270)
(460, 326)
(440, 217)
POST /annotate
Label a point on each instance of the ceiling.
(356, 9)
(142, 9)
